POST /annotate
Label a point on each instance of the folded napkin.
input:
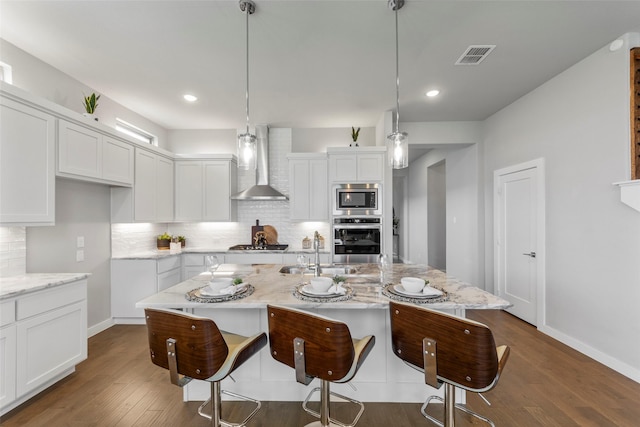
(229, 290)
(214, 291)
(337, 289)
(428, 290)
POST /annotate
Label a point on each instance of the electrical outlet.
(79, 255)
(80, 241)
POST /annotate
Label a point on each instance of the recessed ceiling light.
(432, 93)
(190, 98)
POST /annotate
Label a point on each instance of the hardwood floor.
(545, 383)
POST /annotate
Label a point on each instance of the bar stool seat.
(317, 347)
(449, 350)
(194, 347)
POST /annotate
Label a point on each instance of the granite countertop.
(273, 287)
(25, 283)
(159, 254)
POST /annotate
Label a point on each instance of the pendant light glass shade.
(398, 149)
(397, 142)
(247, 151)
(247, 147)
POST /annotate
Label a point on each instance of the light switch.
(80, 241)
(79, 255)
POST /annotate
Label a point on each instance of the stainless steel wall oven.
(357, 239)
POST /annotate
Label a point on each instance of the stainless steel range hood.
(262, 190)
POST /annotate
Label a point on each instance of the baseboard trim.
(611, 362)
(102, 326)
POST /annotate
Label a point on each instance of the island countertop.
(273, 287)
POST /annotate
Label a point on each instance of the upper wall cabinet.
(308, 184)
(363, 164)
(204, 189)
(27, 165)
(151, 199)
(91, 156)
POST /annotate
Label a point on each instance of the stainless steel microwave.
(357, 199)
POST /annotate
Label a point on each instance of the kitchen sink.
(324, 269)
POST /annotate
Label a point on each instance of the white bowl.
(412, 284)
(219, 283)
(321, 284)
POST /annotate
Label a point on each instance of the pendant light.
(247, 148)
(397, 142)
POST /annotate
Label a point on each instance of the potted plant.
(164, 241)
(182, 240)
(354, 135)
(90, 105)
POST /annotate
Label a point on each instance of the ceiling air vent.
(475, 54)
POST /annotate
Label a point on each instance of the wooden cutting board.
(272, 235)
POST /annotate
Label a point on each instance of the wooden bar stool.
(194, 347)
(317, 347)
(448, 349)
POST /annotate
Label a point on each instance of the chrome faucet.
(316, 246)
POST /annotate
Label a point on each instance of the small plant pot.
(164, 244)
(183, 243)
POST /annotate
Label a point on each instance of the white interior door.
(519, 239)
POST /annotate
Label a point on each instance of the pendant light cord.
(247, 11)
(397, 75)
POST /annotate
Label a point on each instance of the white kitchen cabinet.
(308, 184)
(27, 165)
(42, 337)
(7, 364)
(365, 165)
(136, 279)
(151, 198)
(86, 154)
(204, 189)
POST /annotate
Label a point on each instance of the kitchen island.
(382, 378)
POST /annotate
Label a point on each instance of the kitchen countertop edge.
(22, 284)
(164, 253)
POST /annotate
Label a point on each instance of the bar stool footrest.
(238, 396)
(332, 420)
(462, 408)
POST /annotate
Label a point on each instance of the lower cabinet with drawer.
(43, 335)
(136, 279)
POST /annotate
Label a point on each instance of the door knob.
(531, 254)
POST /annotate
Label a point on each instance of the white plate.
(308, 290)
(204, 292)
(433, 292)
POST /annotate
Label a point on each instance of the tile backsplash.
(134, 238)
(13, 251)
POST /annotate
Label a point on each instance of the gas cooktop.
(258, 248)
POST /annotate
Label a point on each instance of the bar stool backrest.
(466, 350)
(199, 346)
(328, 347)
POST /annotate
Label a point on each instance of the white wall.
(317, 140)
(437, 215)
(208, 141)
(463, 203)
(41, 79)
(579, 123)
(82, 209)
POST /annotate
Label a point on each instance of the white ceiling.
(312, 63)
